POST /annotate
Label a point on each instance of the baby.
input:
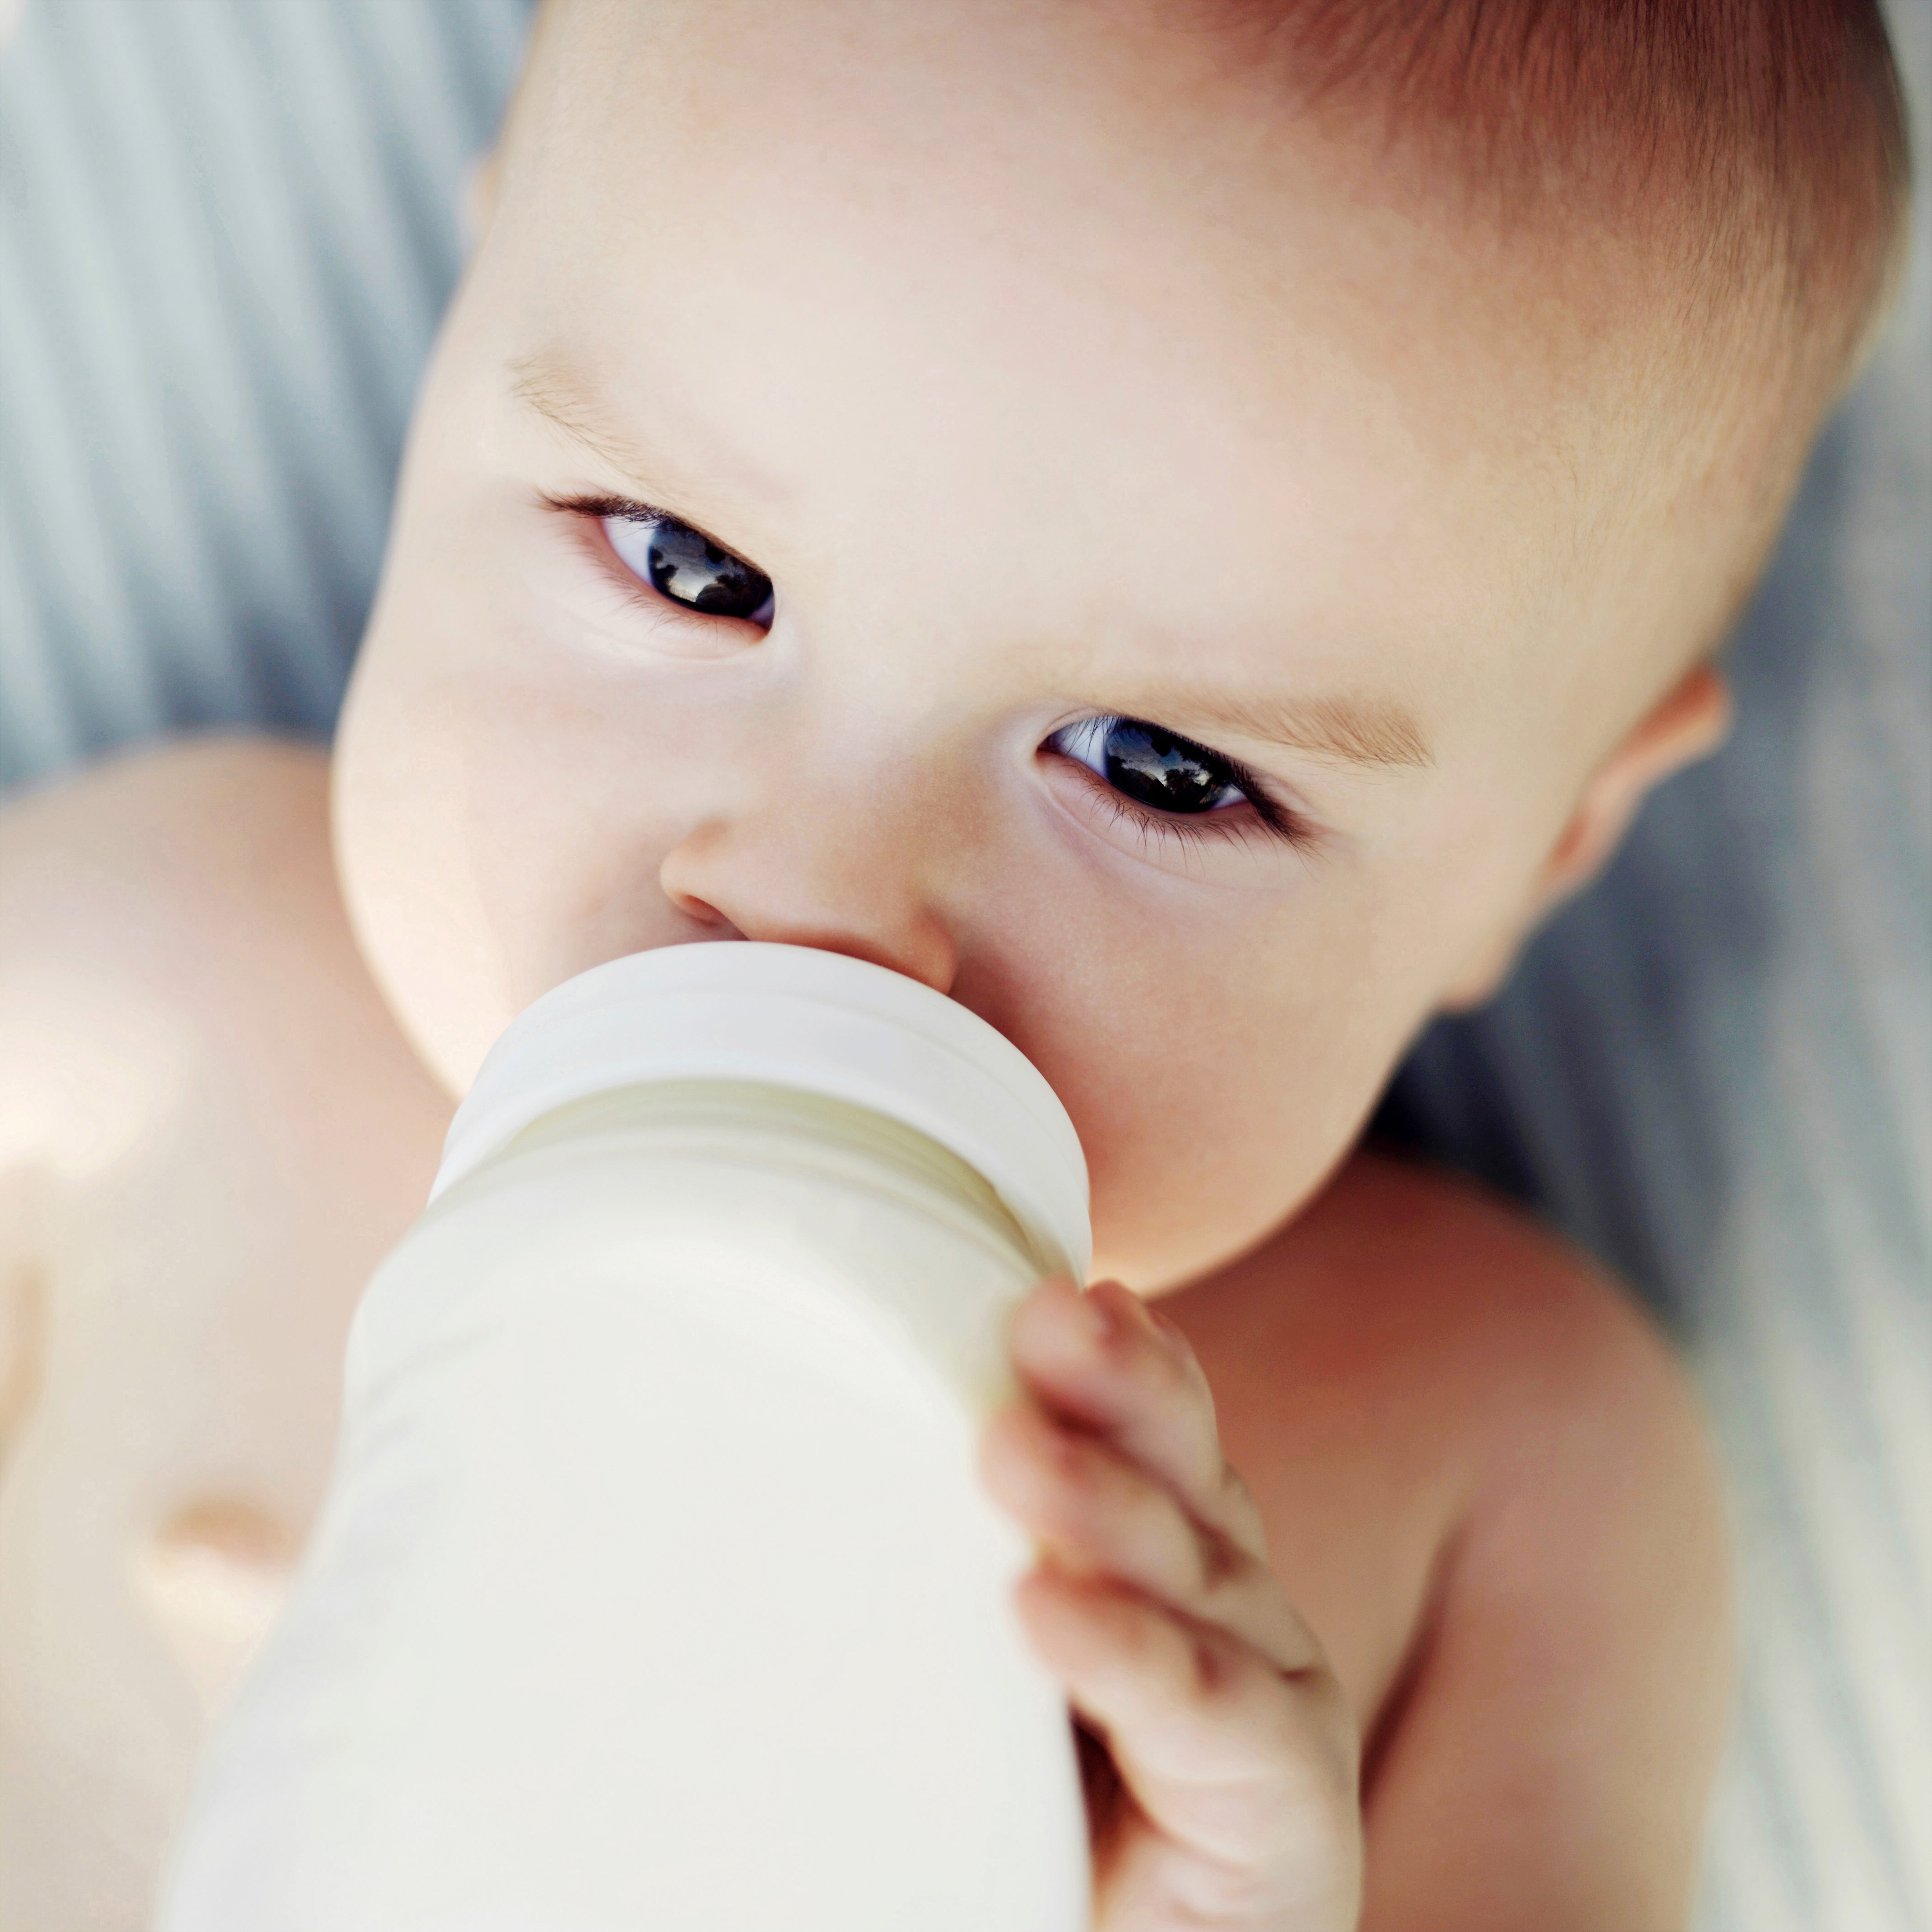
(1187, 527)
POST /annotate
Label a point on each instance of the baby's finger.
(1247, 1774)
(1105, 1360)
(1091, 1511)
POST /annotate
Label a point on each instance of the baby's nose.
(799, 877)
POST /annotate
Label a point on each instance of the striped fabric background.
(226, 229)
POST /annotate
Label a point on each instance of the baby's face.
(1146, 584)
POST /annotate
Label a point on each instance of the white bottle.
(655, 1587)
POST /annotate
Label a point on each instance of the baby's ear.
(1689, 723)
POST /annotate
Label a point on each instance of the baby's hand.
(1219, 1754)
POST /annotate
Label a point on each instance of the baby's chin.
(449, 1023)
(437, 969)
(1156, 1242)
(445, 1006)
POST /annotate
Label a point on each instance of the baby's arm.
(1550, 1763)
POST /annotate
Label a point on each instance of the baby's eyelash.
(628, 507)
(1079, 743)
(1196, 830)
(653, 579)
(582, 510)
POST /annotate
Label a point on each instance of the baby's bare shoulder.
(169, 831)
(150, 900)
(1449, 1314)
(1486, 1477)
(181, 996)
(1382, 1364)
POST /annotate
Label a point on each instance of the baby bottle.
(655, 1587)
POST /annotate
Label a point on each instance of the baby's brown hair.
(1760, 144)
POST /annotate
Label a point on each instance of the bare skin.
(1478, 1472)
(1063, 406)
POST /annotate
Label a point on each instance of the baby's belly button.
(215, 1576)
(122, 1633)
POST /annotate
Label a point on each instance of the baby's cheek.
(1163, 1215)
(1180, 1179)
(406, 845)
(1197, 1152)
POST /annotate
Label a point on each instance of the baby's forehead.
(961, 278)
(1095, 166)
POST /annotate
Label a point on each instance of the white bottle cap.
(791, 1016)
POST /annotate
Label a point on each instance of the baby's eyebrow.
(1356, 731)
(571, 402)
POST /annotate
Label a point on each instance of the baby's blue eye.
(1152, 767)
(685, 565)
